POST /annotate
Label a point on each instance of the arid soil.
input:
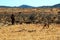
(29, 32)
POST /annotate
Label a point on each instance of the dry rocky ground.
(29, 32)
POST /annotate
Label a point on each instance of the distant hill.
(45, 7)
(54, 6)
(27, 6)
(5, 7)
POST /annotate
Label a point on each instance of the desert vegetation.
(34, 18)
(32, 24)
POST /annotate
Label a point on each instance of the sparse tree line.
(41, 18)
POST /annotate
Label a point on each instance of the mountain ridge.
(27, 6)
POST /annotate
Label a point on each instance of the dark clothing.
(12, 19)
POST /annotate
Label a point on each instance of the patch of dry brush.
(29, 32)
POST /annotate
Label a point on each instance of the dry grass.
(29, 32)
(29, 10)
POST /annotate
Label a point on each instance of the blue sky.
(28, 2)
